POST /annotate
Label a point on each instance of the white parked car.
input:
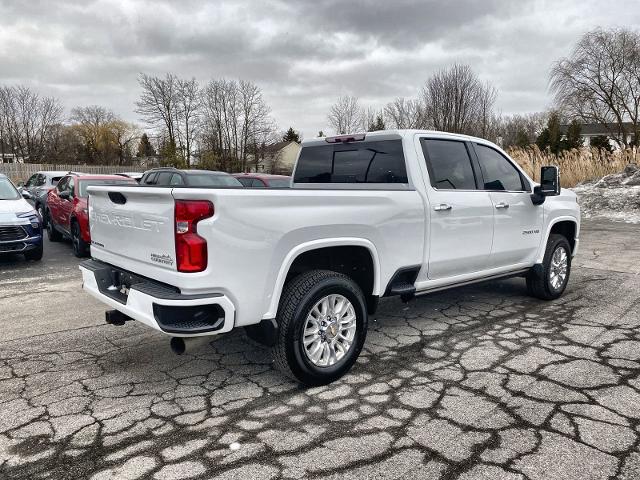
(370, 215)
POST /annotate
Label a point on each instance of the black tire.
(299, 297)
(53, 234)
(35, 254)
(80, 247)
(539, 283)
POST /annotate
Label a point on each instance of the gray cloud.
(303, 53)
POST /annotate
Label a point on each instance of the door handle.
(442, 207)
(502, 205)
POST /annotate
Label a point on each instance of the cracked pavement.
(479, 382)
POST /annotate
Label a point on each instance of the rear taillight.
(191, 248)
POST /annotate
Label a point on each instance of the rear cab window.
(359, 162)
(449, 164)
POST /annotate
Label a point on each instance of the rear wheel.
(322, 322)
(52, 233)
(549, 280)
(80, 247)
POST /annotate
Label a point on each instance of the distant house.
(278, 158)
(10, 158)
(610, 130)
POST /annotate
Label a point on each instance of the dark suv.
(172, 177)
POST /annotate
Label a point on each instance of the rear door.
(517, 221)
(132, 226)
(461, 217)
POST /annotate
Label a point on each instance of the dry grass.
(575, 165)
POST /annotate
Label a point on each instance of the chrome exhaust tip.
(182, 345)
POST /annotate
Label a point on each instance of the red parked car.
(67, 213)
(263, 180)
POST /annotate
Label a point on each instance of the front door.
(66, 206)
(461, 215)
(517, 221)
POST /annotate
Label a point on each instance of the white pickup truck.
(369, 215)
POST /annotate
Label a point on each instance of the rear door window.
(357, 162)
(176, 180)
(163, 178)
(449, 164)
(246, 182)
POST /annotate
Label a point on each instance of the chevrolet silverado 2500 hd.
(368, 215)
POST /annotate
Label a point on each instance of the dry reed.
(576, 166)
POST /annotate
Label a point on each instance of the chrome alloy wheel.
(559, 267)
(329, 330)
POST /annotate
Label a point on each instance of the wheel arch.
(322, 248)
(564, 225)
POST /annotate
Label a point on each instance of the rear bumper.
(157, 305)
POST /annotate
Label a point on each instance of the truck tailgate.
(133, 225)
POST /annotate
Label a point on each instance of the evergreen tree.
(145, 149)
(551, 137)
(573, 140)
(601, 142)
(291, 136)
(522, 139)
(377, 124)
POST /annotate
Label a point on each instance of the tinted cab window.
(449, 164)
(357, 162)
(498, 173)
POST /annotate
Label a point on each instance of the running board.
(499, 276)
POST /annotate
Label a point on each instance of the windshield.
(8, 191)
(212, 180)
(89, 183)
(279, 182)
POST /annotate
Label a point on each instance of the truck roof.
(394, 135)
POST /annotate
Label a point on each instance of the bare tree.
(345, 116)
(236, 121)
(456, 101)
(27, 121)
(187, 115)
(405, 113)
(158, 104)
(600, 81)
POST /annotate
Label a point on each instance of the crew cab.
(389, 213)
(66, 211)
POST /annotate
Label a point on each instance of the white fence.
(20, 172)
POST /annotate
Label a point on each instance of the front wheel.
(52, 233)
(549, 280)
(34, 254)
(322, 321)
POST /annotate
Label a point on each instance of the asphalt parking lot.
(480, 382)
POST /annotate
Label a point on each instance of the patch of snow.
(615, 197)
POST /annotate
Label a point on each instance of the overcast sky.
(303, 54)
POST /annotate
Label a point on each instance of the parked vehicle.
(66, 210)
(172, 177)
(20, 224)
(379, 214)
(263, 180)
(39, 185)
(137, 176)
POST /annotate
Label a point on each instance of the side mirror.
(26, 195)
(549, 184)
(64, 195)
(20, 184)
